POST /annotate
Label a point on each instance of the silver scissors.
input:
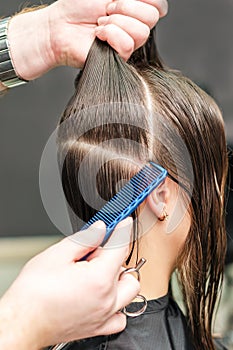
(139, 312)
(132, 270)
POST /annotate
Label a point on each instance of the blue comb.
(129, 197)
(125, 202)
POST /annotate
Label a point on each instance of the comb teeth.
(129, 197)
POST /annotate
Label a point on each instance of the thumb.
(81, 243)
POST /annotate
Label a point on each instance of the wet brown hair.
(154, 114)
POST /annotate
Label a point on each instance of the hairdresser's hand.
(62, 33)
(56, 299)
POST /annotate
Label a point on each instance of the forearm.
(16, 328)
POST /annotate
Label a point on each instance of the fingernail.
(111, 7)
(103, 20)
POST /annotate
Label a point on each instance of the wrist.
(29, 41)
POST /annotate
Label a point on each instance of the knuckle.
(122, 7)
(154, 17)
(143, 35)
(147, 32)
(128, 49)
(128, 46)
(112, 19)
(163, 8)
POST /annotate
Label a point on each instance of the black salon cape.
(162, 327)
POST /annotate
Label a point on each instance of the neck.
(160, 247)
(155, 273)
(160, 244)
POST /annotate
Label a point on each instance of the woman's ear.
(158, 200)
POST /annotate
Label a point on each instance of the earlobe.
(164, 216)
(158, 200)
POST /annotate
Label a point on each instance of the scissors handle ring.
(140, 311)
(131, 270)
(135, 269)
(139, 296)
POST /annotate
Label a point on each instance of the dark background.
(196, 38)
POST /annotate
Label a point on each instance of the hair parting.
(141, 111)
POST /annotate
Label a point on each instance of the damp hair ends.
(200, 125)
(121, 116)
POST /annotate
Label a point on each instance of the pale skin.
(97, 280)
(62, 33)
(57, 299)
(52, 288)
(162, 244)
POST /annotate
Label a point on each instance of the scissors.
(132, 270)
(139, 312)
